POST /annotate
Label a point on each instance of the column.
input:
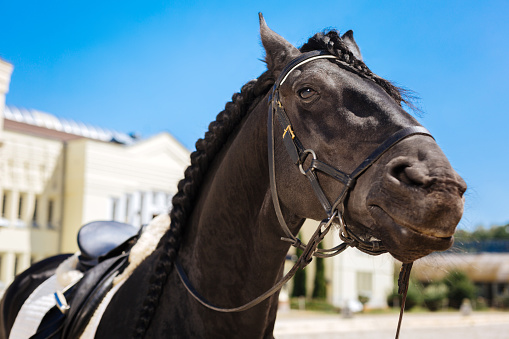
(23, 262)
(13, 203)
(42, 213)
(147, 207)
(160, 203)
(57, 213)
(121, 208)
(134, 209)
(28, 212)
(7, 273)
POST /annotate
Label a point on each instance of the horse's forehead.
(346, 96)
(330, 75)
(333, 80)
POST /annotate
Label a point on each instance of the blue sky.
(152, 66)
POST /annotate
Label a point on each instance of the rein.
(334, 210)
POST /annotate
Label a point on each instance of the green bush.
(363, 299)
(480, 304)
(434, 296)
(314, 305)
(459, 287)
(413, 298)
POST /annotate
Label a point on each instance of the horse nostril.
(409, 174)
(398, 172)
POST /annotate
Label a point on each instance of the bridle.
(298, 154)
(333, 210)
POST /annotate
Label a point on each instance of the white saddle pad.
(34, 309)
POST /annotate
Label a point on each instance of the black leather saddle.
(99, 240)
(104, 247)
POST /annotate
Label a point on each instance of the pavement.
(449, 325)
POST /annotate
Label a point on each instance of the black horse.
(336, 146)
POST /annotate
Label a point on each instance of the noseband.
(334, 210)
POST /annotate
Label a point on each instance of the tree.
(492, 239)
(320, 288)
(482, 234)
(299, 280)
(459, 287)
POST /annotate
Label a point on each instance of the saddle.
(104, 247)
(100, 240)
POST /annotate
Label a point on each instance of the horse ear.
(351, 44)
(278, 51)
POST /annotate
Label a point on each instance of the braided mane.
(331, 41)
(207, 148)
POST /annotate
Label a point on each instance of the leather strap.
(403, 283)
(386, 145)
(198, 297)
(302, 262)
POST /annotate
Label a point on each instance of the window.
(16, 264)
(114, 208)
(4, 205)
(34, 215)
(168, 201)
(20, 207)
(127, 207)
(142, 202)
(5, 210)
(50, 213)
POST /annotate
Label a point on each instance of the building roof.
(479, 267)
(62, 126)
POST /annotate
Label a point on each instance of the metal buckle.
(306, 152)
(344, 235)
(289, 129)
(326, 223)
(373, 247)
(325, 226)
(61, 302)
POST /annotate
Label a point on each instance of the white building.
(351, 274)
(57, 174)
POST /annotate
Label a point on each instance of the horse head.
(409, 197)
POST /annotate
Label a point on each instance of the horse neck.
(233, 251)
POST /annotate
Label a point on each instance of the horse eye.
(306, 93)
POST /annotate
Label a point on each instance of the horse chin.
(404, 243)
